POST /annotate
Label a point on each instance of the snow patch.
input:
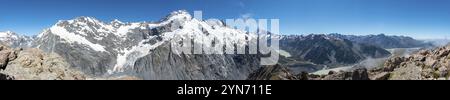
(122, 31)
(127, 57)
(74, 38)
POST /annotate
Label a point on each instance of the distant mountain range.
(14, 40)
(384, 41)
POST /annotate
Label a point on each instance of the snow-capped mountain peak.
(85, 19)
(117, 46)
(179, 14)
(15, 40)
(116, 23)
(72, 37)
(8, 34)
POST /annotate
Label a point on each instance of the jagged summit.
(179, 14)
(87, 25)
(86, 19)
(116, 23)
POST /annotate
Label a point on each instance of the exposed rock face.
(426, 64)
(275, 72)
(358, 74)
(279, 72)
(33, 64)
(5, 77)
(381, 76)
(122, 77)
(161, 64)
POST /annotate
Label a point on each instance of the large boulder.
(393, 63)
(3, 59)
(6, 55)
(360, 74)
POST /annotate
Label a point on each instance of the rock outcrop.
(279, 72)
(274, 72)
(357, 74)
(34, 64)
(5, 77)
(424, 65)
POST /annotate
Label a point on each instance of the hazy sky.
(416, 18)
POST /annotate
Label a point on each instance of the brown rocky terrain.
(34, 64)
(275, 72)
(423, 65)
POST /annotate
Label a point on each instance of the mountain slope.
(326, 50)
(322, 49)
(143, 49)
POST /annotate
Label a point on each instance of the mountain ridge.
(13, 39)
(143, 49)
(384, 41)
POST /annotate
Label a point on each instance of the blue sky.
(417, 18)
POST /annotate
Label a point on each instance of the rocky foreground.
(423, 65)
(34, 64)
